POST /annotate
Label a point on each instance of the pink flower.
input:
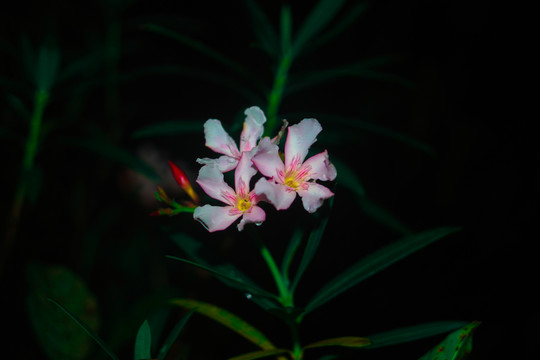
(294, 176)
(218, 140)
(241, 203)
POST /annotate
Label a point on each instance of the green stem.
(297, 351)
(276, 95)
(40, 102)
(284, 295)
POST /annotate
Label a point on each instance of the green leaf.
(349, 18)
(412, 333)
(383, 216)
(264, 30)
(143, 342)
(348, 178)
(455, 346)
(227, 319)
(85, 327)
(240, 281)
(317, 19)
(113, 153)
(346, 341)
(59, 336)
(47, 65)
(248, 288)
(293, 245)
(361, 69)
(376, 262)
(200, 47)
(169, 128)
(286, 25)
(311, 247)
(173, 335)
(260, 354)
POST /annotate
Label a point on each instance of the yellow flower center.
(292, 181)
(243, 204)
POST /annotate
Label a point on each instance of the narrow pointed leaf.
(455, 346)
(264, 31)
(246, 287)
(293, 245)
(90, 333)
(318, 18)
(198, 46)
(376, 262)
(260, 354)
(311, 247)
(412, 333)
(227, 319)
(143, 343)
(346, 341)
(169, 128)
(286, 26)
(173, 335)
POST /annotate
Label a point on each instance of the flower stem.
(276, 95)
(40, 102)
(284, 295)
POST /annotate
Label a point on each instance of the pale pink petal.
(253, 128)
(254, 215)
(267, 159)
(279, 195)
(243, 174)
(223, 163)
(218, 140)
(212, 182)
(300, 137)
(321, 167)
(314, 196)
(215, 218)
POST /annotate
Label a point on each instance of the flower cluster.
(283, 176)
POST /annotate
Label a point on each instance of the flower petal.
(218, 140)
(212, 182)
(279, 195)
(223, 163)
(267, 159)
(321, 167)
(314, 196)
(243, 174)
(254, 215)
(253, 128)
(215, 218)
(300, 137)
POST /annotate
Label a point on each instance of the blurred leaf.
(7, 134)
(247, 288)
(242, 282)
(47, 65)
(86, 329)
(175, 127)
(348, 178)
(143, 342)
(60, 337)
(354, 123)
(213, 77)
(173, 335)
(341, 25)
(19, 107)
(455, 346)
(376, 262)
(260, 354)
(412, 333)
(311, 247)
(362, 69)
(264, 31)
(317, 19)
(383, 216)
(114, 153)
(346, 341)
(294, 243)
(34, 183)
(286, 28)
(200, 47)
(227, 319)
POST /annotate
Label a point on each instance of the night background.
(414, 101)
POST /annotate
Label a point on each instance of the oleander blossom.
(239, 203)
(219, 140)
(294, 175)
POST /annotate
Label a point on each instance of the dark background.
(87, 215)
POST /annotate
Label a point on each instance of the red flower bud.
(183, 181)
